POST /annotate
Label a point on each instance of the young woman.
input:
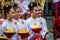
(8, 24)
(21, 25)
(32, 20)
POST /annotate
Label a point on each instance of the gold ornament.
(22, 22)
(35, 23)
(14, 29)
(31, 4)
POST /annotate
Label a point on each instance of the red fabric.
(56, 6)
(38, 37)
(44, 38)
(56, 27)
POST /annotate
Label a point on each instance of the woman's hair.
(7, 8)
(15, 6)
(32, 5)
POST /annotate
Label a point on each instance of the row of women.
(13, 21)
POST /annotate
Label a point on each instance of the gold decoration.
(47, 31)
(36, 26)
(23, 31)
(9, 31)
(35, 23)
(12, 4)
(31, 4)
(6, 5)
(22, 22)
(3, 37)
(14, 29)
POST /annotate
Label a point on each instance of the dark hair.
(8, 9)
(0, 11)
(32, 5)
(15, 6)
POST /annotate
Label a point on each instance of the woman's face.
(39, 11)
(11, 13)
(35, 11)
(18, 13)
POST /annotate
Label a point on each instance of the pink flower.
(2, 21)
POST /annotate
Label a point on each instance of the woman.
(21, 25)
(32, 20)
(8, 24)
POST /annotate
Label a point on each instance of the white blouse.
(30, 24)
(44, 26)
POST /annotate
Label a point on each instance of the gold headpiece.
(12, 3)
(31, 4)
